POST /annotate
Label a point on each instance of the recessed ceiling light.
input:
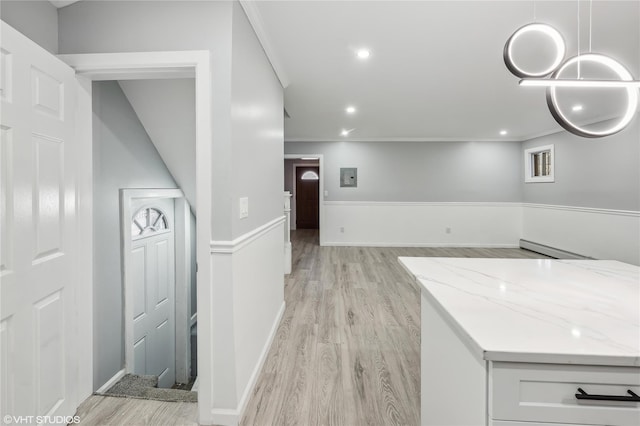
(309, 158)
(576, 108)
(363, 53)
(350, 109)
(503, 132)
(344, 132)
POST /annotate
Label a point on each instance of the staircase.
(146, 387)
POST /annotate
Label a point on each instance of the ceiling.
(436, 71)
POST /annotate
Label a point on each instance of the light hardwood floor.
(347, 351)
(111, 410)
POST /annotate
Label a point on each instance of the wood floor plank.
(348, 349)
(109, 410)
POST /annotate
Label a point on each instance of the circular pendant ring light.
(613, 65)
(545, 30)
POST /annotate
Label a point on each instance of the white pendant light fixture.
(557, 67)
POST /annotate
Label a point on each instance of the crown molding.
(255, 19)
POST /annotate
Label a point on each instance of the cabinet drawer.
(546, 393)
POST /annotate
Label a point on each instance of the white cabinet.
(459, 387)
(508, 342)
(546, 393)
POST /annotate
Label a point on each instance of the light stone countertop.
(530, 310)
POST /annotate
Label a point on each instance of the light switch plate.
(244, 207)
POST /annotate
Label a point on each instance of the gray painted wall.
(601, 173)
(124, 157)
(257, 119)
(38, 20)
(409, 171)
(139, 26)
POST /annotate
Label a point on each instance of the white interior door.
(152, 263)
(38, 268)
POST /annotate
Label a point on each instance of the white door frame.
(182, 255)
(148, 65)
(320, 158)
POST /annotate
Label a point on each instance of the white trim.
(233, 416)
(230, 247)
(112, 381)
(321, 201)
(255, 19)
(424, 203)
(118, 66)
(442, 245)
(84, 187)
(402, 139)
(594, 210)
(183, 255)
(137, 65)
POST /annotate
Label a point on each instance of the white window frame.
(528, 164)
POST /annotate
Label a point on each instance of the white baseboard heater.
(550, 251)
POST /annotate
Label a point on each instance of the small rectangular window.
(538, 164)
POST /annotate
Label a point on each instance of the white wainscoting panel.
(249, 271)
(597, 233)
(423, 224)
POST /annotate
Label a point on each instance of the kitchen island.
(528, 342)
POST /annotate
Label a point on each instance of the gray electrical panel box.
(348, 177)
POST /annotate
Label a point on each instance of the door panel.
(307, 193)
(152, 259)
(39, 266)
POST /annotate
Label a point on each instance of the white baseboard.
(112, 381)
(233, 417)
(263, 357)
(412, 244)
(550, 251)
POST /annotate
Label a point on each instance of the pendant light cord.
(579, 40)
(590, 22)
(534, 11)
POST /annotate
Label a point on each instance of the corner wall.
(593, 207)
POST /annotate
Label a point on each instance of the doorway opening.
(116, 67)
(304, 179)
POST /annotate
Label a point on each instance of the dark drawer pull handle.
(633, 397)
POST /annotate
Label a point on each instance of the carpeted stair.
(146, 387)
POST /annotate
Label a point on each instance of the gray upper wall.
(38, 20)
(420, 172)
(601, 173)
